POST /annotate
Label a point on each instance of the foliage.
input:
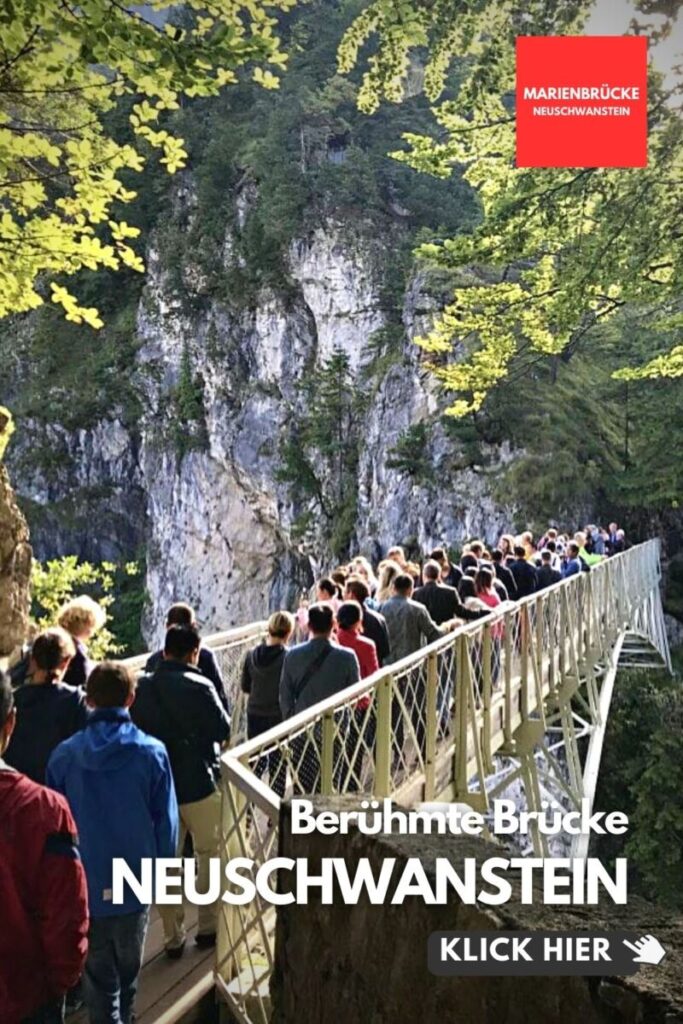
(569, 248)
(642, 775)
(189, 428)
(62, 174)
(321, 456)
(410, 454)
(55, 582)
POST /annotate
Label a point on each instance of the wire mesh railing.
(424, 728)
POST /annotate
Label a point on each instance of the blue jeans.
(110, 979)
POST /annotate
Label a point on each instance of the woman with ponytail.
(48, 710)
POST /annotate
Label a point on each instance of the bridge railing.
(424, 728)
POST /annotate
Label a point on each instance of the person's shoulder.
(347, 653)
(365, 643)
(149, 746)
(50, 807)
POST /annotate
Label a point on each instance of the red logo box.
(581, 101)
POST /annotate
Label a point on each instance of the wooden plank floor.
(168, 988)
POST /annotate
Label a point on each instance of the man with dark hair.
(374, 625)
(317, 669)
(572, 565)
(503, 574)
(546, 575)
(523, 572)
(43, 938)
(179, 706)
(468, 561)
(450, 574)
(350, 628)
(181, 614)
(312, 672)
(119, 786)
(442, 602)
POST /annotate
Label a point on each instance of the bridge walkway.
(522, 695)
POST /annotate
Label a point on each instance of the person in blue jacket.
(572, 565)
(119, 785)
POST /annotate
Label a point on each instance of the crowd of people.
(96, 764)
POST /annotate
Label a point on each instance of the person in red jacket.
(349, 634)
(361, 733)
(43, 894)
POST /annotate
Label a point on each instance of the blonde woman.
(261, 681)
(81, 618)
(388, 571)
(360, 566)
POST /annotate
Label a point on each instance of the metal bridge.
(519, 698)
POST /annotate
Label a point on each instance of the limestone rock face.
(15, 570)
(201, 492)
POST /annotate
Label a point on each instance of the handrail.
(430, 727)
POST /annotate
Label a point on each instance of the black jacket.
(80, 666)
(47, 713)
(546, 576)
(375, 629)
(443, 603)
(207, 667)
(454, 576)
(525, 577)
(180, 707)
(507, 579)
(261, 679)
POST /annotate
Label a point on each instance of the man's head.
(403, 585)
(573, 549)
(431, 571)
(180, 614)
(551, 546)
(497, 556)
(320, 619)
(356, 589)
(110, 685)
(182, 644)
(476, 548)
(350, 616)
(613, 528)
(469, 561)
(8, 714)
(438, 555)
(546, 556)
(519, 551)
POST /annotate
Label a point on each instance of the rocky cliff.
(205, 496)
(15, 558)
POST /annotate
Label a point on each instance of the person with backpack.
(182, 614)
(120, 789)
(180, 707)
(312, 672)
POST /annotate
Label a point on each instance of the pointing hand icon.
(649, 950)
